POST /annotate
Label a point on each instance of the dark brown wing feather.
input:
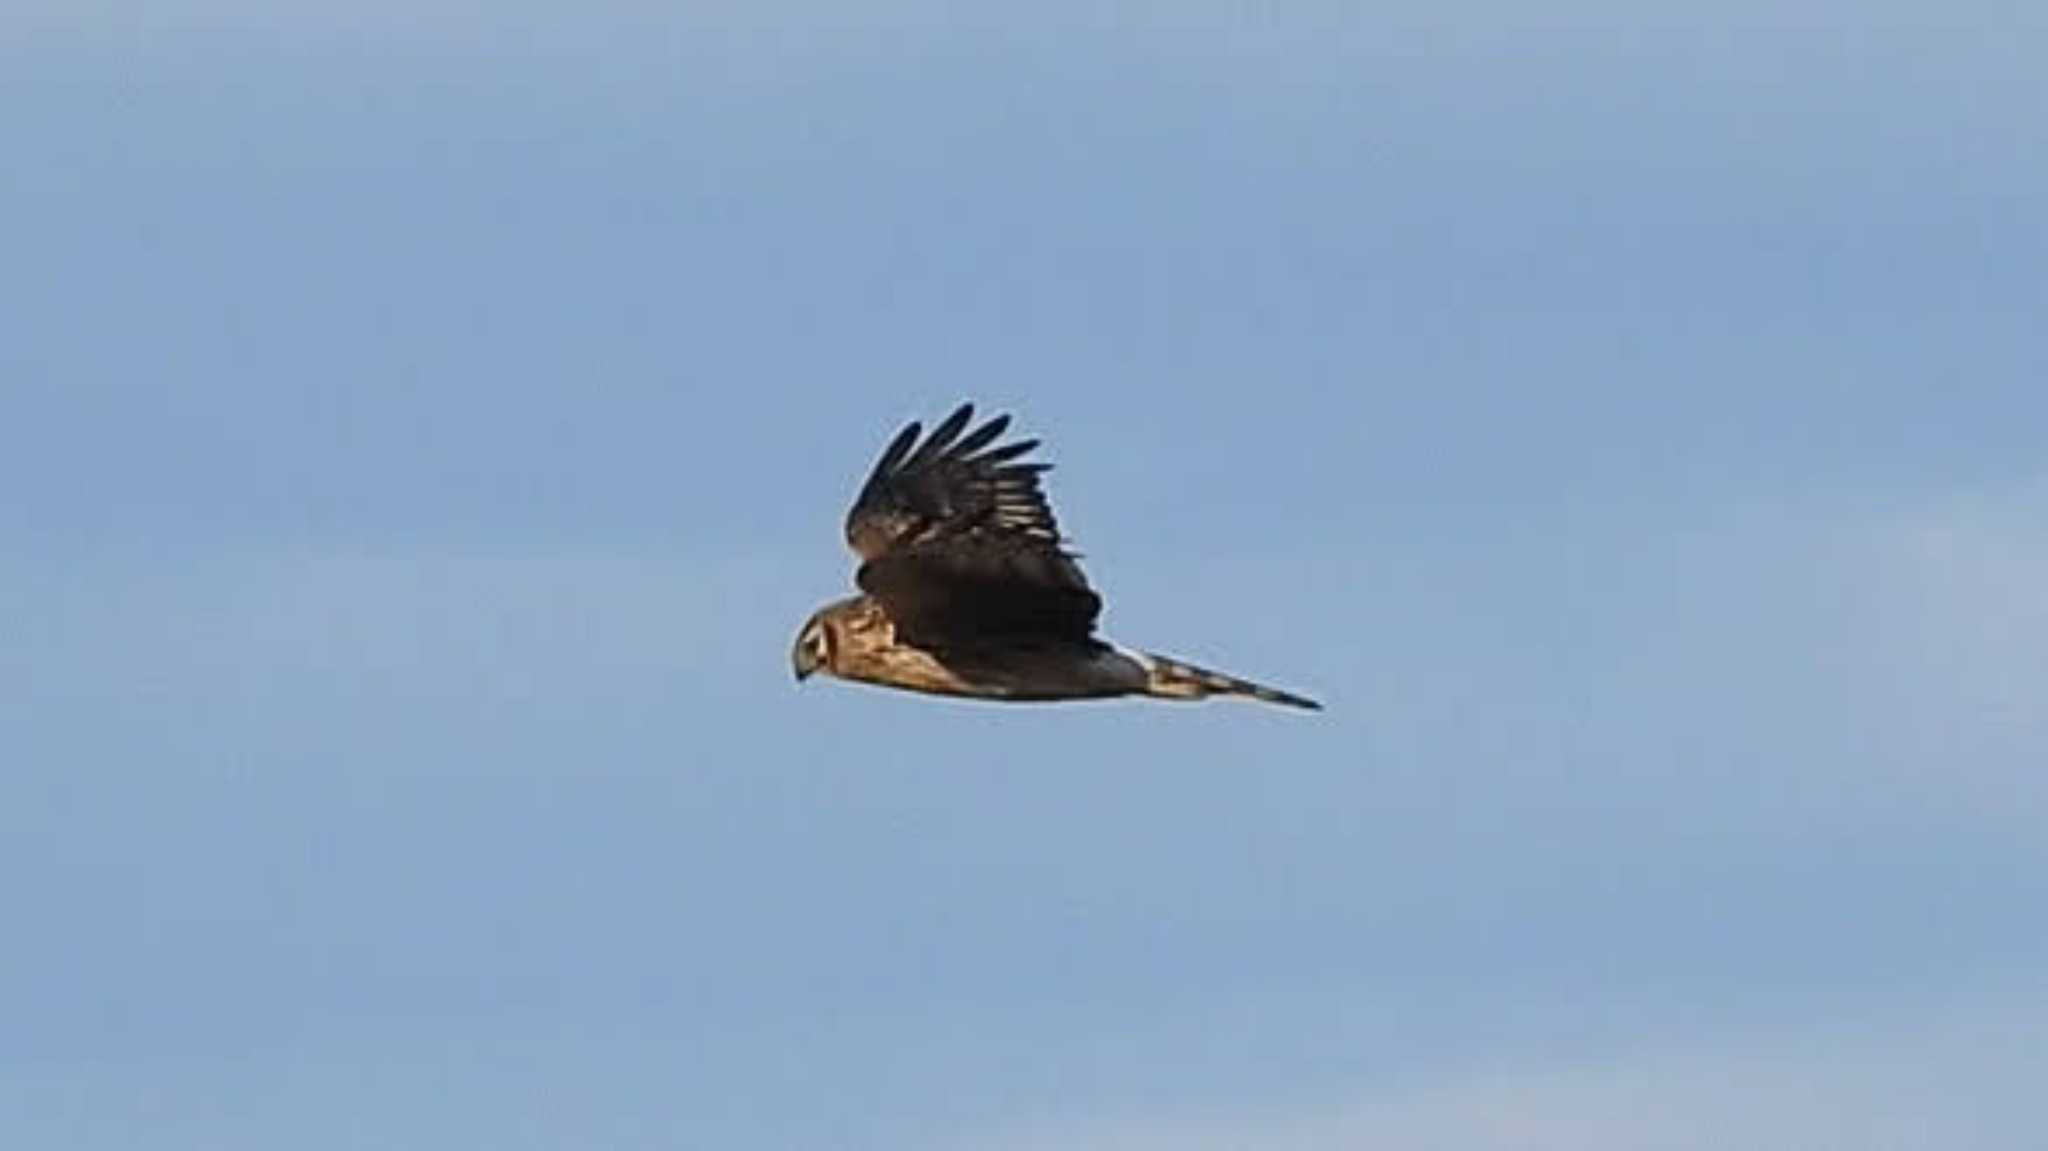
(960, 543)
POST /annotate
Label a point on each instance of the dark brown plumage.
(969, 588)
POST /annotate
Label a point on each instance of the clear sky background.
(424, 426)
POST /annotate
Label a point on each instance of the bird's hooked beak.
(809, 653)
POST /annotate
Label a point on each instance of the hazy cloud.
(1959, 1076)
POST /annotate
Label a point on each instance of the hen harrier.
(968, 591)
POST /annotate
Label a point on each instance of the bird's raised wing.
(959, 542)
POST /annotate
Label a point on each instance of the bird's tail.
(1171, 679)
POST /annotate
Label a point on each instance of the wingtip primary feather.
(942, 437)
(980, 438)
(898, 448)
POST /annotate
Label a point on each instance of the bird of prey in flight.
(967, 589)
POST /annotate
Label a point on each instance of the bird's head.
(813, 648)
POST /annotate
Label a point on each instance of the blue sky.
(429, 424)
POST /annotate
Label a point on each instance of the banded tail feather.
(1168, 678)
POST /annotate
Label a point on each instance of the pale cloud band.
(1947, 1076)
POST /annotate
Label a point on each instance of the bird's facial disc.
(812, 651)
